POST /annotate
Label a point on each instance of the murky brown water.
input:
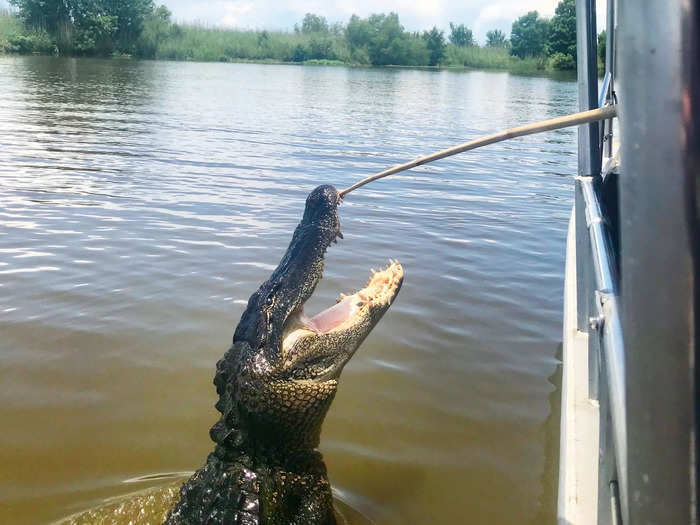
(141, 203)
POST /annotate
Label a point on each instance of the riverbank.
(163, 40)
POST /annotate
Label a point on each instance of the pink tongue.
(333, 316)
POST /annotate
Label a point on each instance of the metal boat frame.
(628, 448)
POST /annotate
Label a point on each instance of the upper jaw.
(296, 276)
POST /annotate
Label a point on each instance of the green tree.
(528, 35)
(496, 38)
(313, 24)
(416, 51)
(387, 36)
(382, 40)
(88, 26)
(435, 42)
(156, 28)
(299, 53)
(337, 29)
(357, 32)
(562, 30)
(52, 16)
(129, 17)
(44, 14)
(320, 47)
(461, 36)
(94, 33)
(602, 39)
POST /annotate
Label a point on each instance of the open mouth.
(349, 310)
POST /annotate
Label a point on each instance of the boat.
(629, 418)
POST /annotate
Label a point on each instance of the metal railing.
(597, 282)
(610, 358)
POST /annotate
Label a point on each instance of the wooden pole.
(574, 119)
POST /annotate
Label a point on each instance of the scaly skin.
(273, 397)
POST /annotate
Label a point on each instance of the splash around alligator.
(152, 505)
(276, 384)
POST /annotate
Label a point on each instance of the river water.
(141, 203)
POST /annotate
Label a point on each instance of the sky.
(415, 15)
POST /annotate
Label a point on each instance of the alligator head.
(276, 384)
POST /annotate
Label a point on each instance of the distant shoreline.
(378, 41)
(547, 73)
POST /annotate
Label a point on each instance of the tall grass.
(491, 58)
(193, 42)
(10, 25)
(16, 38)
(167, 41)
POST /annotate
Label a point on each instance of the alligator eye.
(269, 300)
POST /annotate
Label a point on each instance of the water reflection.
(549, 478)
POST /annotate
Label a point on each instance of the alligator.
(276, 384)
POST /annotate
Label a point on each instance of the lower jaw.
(380, 287)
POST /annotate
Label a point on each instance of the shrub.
(320, 48)
(562, 62)
(95, 35)
(33, 42)
(299, 54)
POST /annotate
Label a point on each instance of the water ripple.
(142, 204)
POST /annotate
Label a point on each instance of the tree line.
(142, 29)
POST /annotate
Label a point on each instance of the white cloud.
(234, 12)
(500, 15)
(479, 15)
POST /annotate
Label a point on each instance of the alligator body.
(276, 384)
